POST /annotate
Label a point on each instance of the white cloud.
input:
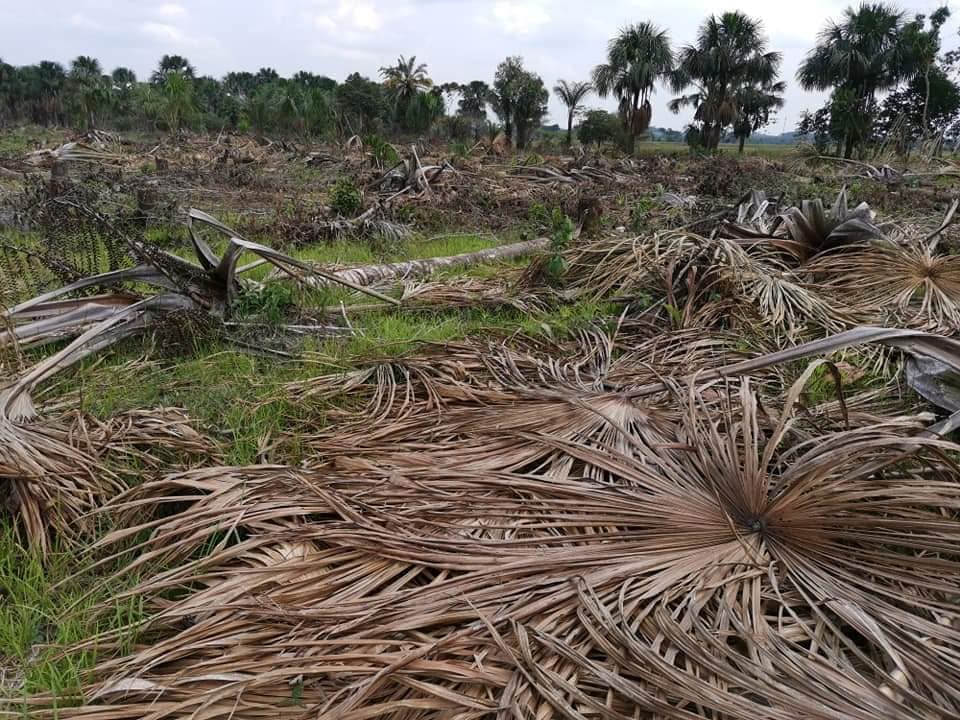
(171, 10)
(79, 20)
(325, 23)
(362, 16)
(520, 18)
(162, 31)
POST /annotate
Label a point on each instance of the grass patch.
(44, 610)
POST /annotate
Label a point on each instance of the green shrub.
(345, 198)
(271, 303)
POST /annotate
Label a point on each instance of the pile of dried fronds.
(556, 548)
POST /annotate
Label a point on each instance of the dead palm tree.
(571, 94)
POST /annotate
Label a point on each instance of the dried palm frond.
(779, 294)
(626, 266)
(371, 275)
(54, 472)
(901, 285)
(736, 571)
(73, 152)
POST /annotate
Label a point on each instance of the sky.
(460, 40)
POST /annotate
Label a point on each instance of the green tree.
(571, 94)
(519, 98)
(599, 126)
(422, 110)
(755, 106)
(922, 48)
(175, 101)
(89, 90)
(929, 104)
(404, 82)
(473, 100)
(359, 103)
(172, 64)
(860, 56)
(730, 55)
(240, 84)
(637, 58)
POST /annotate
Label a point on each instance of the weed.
(271, 302)
(345, 198)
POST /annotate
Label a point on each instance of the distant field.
(672, 148)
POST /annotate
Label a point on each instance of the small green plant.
(271, 303)
(538, 217)
(345, 198)
(561, 234)
(641, 213)
(460, 149)
(382, 153)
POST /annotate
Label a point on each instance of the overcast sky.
(459, 40)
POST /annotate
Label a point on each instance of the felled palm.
(806, 230)
(910, 285)
(737, 568)
(100, 321)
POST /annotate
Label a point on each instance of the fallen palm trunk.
(375, 274)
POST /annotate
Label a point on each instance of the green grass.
(680, 149)
(18, 141)
(43, 609)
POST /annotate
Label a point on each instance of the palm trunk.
(570, 128)
(848, 147)
(743, 140)
(373, 274)
(926, 102)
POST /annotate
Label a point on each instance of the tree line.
(728, 76)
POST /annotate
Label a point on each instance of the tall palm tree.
(861, 55)
(730, 54)
(89, 92)
(47, 88)
(637, 58)
(85, 67)
(570, 94)
(123, 77)
(404, 80)
(172, 64)
(755, 105)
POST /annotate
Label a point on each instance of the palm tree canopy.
(572, 93)
(730, 54)
(85, 67)
(636, 58)
(863, 52)
(405, 79)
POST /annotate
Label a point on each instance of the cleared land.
(579, 482)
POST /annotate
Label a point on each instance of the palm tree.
(861, 55)
(404, 80)
(636, 59)
(729, 55)
(172, 64)
(176, 104)
(923, 47)
(754, 107)
(85, 67)
(123, 77)
(89, 92)
(570, 94)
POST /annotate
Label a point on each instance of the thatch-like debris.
(723, 567)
